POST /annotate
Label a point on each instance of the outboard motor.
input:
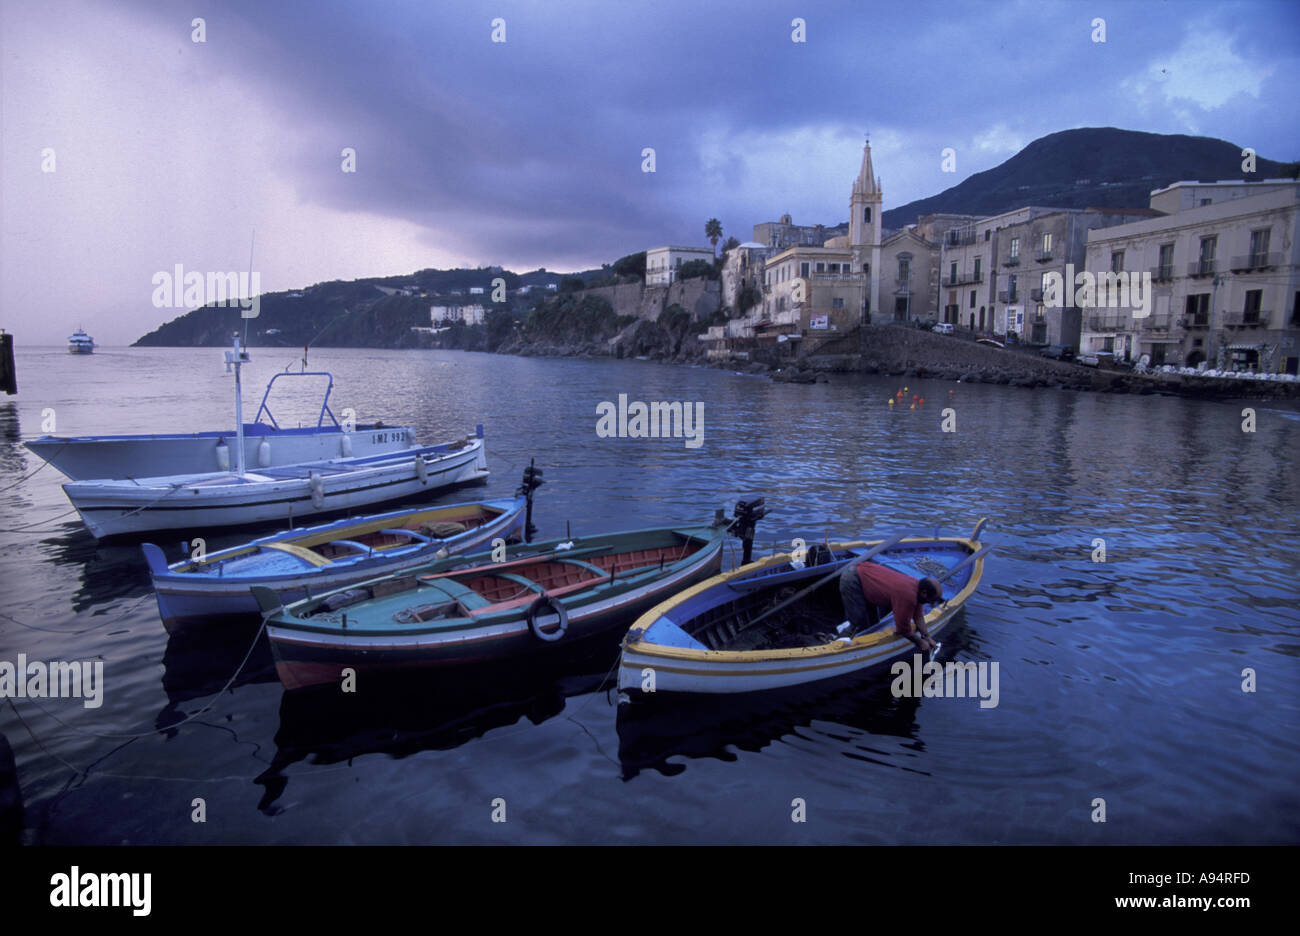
(747, 514)
(532, 480)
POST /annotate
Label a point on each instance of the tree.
(713, 231)
(631, 265)
(731, 244)
(693, 268)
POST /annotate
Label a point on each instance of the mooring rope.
(173, 725)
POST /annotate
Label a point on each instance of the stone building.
(1225, 272)
(779, 235)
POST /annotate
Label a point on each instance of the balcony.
(959, 238)
(1009, 296)
(1035, 295)
(1044, 254)
(1199, 320)
(834, 277)
(1162, 274)
(1201, 268)
(1249, 318)
(902, 281)
(1255, 261)
(1155, 323)
(1011, 261)
(963, 279)
(1109, 323)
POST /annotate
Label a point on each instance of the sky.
(129, 147)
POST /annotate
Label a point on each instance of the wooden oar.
(887, 544)
(979, 554)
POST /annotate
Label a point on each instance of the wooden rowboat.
(699, 640)
(467, 610)
(296, 563)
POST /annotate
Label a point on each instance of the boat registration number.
(380, 437)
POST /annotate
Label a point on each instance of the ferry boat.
(80, 343)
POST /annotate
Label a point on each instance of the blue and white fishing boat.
(266, 444)
(80, 343)
(211, 500)
(774, 623)
(298, 563)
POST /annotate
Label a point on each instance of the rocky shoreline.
(896, 350)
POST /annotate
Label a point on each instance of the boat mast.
(238, 357)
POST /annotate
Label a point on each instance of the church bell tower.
(864, 230)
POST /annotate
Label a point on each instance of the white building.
(1225, 271)
(662, 263)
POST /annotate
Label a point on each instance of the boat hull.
(305, 658)
(185, 597)
(649, 667)
(206, 502)
(84, 458)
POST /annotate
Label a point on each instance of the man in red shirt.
(866, 586)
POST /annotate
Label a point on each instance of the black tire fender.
(534, 610)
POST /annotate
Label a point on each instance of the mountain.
(1093, 167)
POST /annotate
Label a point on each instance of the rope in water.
(173, 725)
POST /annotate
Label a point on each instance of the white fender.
(345, 445)
(421, 469)
(264, 454)
(317, 490)
(223, 456)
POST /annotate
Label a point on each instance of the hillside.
(1093, 167)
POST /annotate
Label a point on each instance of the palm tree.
(713, 231)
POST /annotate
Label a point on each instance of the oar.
(979, 554)
(887, 544)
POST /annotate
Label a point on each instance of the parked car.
(1058, 352)
(943, 328)
(1090, 360)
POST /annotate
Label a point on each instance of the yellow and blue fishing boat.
(776, 622)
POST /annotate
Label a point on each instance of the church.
(821, 288)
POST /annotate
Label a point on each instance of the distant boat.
(267, 444)
(296, 563)
(749, 629)
(80, 343)
(466, 611)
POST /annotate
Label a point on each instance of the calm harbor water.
(1119, 680)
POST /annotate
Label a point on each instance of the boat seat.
(520, 580)
(302, 552)
(602, 573)
(352, 545)
(458, 592)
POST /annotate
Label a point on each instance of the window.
(821, 267)
(1204, 202)
(866, 268)
(1208, 246)
(837, 303)
(803, 268)
(1259, 248)
(972, 298)
(1011, 288)
(1165, 271)
(866, 215)
(1117, 261)
(1015, 247)
(977, 268)
(904, 269)
(1254, 300)
(1047, 242)
(987, 234)
(952, 273)
(1038, 312)
(1198, 309)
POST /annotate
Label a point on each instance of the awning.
(1245, 347)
